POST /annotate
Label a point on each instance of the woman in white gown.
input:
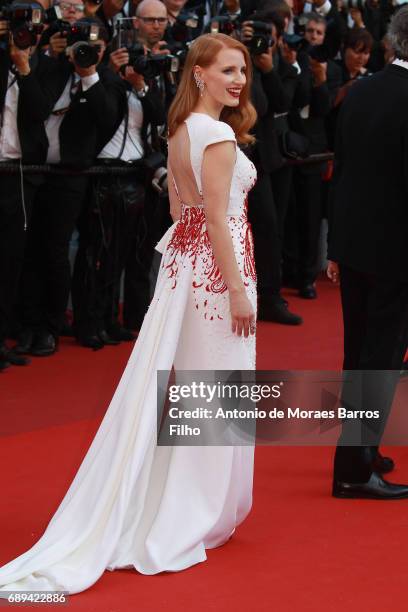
(133, 504)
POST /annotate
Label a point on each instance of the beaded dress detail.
(134, 504)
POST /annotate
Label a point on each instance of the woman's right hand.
(242, 313)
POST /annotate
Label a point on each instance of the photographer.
(24, 105)
(268, 200)
(117, 224)
(87, 109)
(355, 56)
(319, 81)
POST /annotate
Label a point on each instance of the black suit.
(86, 127)
(305, 213)
(269, 198)
(34, 104)
(368, 226)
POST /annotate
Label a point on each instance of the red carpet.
(298, 550)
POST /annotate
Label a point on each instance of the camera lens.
(23, 37)
(85, 55)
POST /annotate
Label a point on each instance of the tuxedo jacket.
(368, 213)
(279, 87)
(35, 101)
(93, 116)
(320, 101)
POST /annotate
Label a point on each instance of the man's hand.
(134, 78)
(160, 48)
(357, 17)
(118, 58)
(20, 58)
(264, 61)
(319, 72)
(58, 44)
(247, 31)
(333, 272)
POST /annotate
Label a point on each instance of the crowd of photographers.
(87, 84)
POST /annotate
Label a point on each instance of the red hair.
(203, 52)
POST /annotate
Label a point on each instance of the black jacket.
(35, 101)
(279, 87)
(368, 216)
(93, 115)
(320, 101)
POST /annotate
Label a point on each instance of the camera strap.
(125, 128)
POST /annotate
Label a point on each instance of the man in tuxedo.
(24, 105)
(89, 104)
(318, 84)
(368, 228)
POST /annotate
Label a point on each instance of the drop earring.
(199, 83)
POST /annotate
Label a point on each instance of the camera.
(25, 23)
(150, 65)
(320, 53)
(181, 28)
(262, 38)
(295, 42)
(81, 39)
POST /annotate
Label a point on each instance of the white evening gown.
(133, 504)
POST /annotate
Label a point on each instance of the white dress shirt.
(9, 139)
(53, 123)
(133, 148)
(320, 10)
(400, 62)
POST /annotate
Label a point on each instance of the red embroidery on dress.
(190, 238)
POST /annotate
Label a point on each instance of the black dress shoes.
(91, 341)
(25, 341)
(11, 358)
(383, 465)
(308, 292)
(4, 364)
(375, 488)
(278, 312)
(106, 338)
(44, 344)
(121, 334)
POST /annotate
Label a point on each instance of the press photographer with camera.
(87, 109)
(25, 103)
(319, 81)
(268, 200)
(117, 223)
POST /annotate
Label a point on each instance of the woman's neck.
(213, 110)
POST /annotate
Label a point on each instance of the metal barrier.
(14, 168)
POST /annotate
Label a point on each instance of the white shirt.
(9, 139)
(320, 10)
(133, 148)
(53, 123)
(400, 62)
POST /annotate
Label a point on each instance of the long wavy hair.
(203, 52)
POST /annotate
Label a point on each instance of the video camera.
(26, 21)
